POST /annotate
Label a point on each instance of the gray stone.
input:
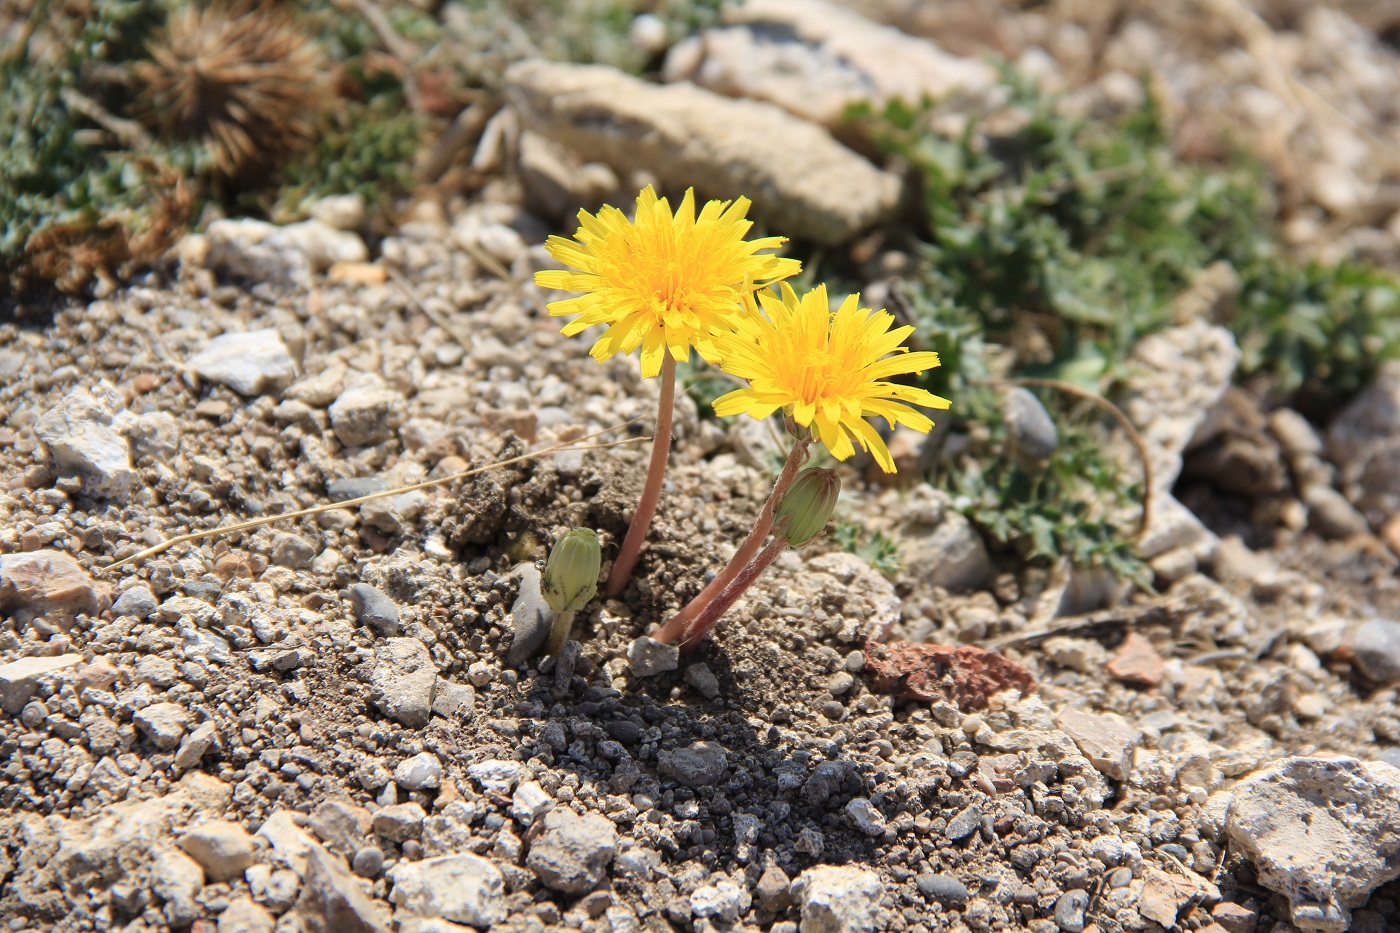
(83, 432)
(773, 888)
(404, 675)
(420, 771)
(333, 901)
(816, 59)
(19, 680)
(341, 826)
(1376, 649)
(573, 853)
(264, 252)
(374, 610)
(163, 723)
(1331, 515)
(400, 822)
(1295, 434)
(556, 185)
(1322, 832)
(1034, 438)
(648, 657)
(50, 584)
(202, 643)
(1364, 441)
(461, 888)
(723, 900)
(290, 550)
(176, 879)
(864, 817)
(530, 616)
(838, 899)
(947, 552)
(702, 764)
(963, 824)
(368, 861)
(799, 177)
(366, 413)
(137, 602)
(495, 775)
(1106, 740)
(288, 840)
(155, 435)
(340, 211)
(1176, 378)
(531, 801)
(1069, 910)
(195, 746)
(452, 701)
(318, 391)
(702, 679)
(866, 594)
(244, 915)
(223, 849)
(251, 363)
(945, 889)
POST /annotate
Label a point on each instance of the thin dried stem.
(621, 573)
(317, 509)
(672, 631)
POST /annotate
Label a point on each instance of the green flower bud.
(571, 574)
(802, 515)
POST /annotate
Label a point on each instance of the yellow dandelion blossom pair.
(669, 282)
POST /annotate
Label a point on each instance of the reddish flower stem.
(621, 573)
(700, 626)
(673, 632)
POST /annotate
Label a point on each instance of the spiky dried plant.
(239, 75)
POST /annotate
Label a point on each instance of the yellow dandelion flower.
(663, 280)
(828, 370)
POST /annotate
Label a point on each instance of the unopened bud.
(571, 574)
(802, 515)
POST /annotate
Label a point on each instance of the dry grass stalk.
(239, 75)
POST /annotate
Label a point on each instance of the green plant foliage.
(1319, 331)
(1067, 240)
(1049, 245)
(366, 148)
(877, 549)
(57, 167)
(1070, 507)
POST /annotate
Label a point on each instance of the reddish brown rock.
(50, 584)
(1137, 662)
(965, 675)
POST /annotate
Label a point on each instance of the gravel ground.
(314, 722)
(333, 722)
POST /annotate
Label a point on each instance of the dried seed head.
(802, 515)
(571, 574)
(240, 76)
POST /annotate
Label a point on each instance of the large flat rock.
(803, 183)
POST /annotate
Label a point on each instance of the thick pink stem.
(672, 631)
(621, 573)
(700, 626)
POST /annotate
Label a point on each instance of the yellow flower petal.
(827, 369)
(675, 278)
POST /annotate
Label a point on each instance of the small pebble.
(942, 888)
(368, 861)
(1376, 647)
(1069, 910)
(374, 610)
